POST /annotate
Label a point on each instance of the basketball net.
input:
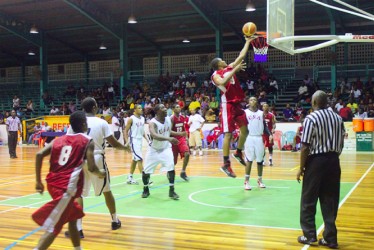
(260, 49)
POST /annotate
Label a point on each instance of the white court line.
(17, 177)
(344, 199)
(196, 221)
(19, 207)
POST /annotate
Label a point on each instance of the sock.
(78, 248)
(246, 177)
(145, 178)
(79, 224)
(114, 217)
(270, 157)
(226, 159)
(171, 177)
(260, 178)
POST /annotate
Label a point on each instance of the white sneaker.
(132, 181)
(201, 153)
(194, 153)
(247, 186)
(260, 184)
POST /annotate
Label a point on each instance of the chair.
(287, 138)
(37, 137)
(277, 138)
(205, 134)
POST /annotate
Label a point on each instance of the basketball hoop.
(260, 47)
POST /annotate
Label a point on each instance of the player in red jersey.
(64, 181)
(179, 123)
(231, 111)
(270, 123)
(213, 135)
(297, 138)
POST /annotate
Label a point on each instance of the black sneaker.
(145, 193)
(184, 176)
(306, 241)
(239, 157)
(116, 225)
(67, 234)
(173, 195)
(226, 168)
(323, 242)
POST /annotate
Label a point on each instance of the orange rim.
(261, 33)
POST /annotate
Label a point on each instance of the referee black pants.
(12, 143)
(321, 181)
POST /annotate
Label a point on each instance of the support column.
(43, 67)
(124, 60)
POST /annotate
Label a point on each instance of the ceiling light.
(31, 53)
(34, 30)
(185, 40)
(250, 6)
(132, 19)
(102, 46)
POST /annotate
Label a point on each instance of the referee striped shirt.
(324, 132)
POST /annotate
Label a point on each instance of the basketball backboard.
(280, 23)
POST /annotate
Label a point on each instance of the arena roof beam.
(97, 15)
(203, 14)
(19, 28)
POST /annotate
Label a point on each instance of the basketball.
(249, 29)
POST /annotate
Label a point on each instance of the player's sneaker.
(201, 153)
(184, 176)
(239, 157)
(172, 194)
(306, 241)
(132, 181)
(260, 184)
(247, 186)
(145, 193)
(270, 162)
(226, 168)
(116, 225)
(323, 242)
(67, 234)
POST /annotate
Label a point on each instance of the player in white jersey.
(135, 130)
(99, 131)
(159, 150)
(254, 144)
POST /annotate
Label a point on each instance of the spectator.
(273, 85)
(361, 113)
(54, 111)
(36, 134)
(352, 105)
(29, 107)
(288, 113)
(16, 103)
(338, 106)
(303, 93)
(70, 91)
(214, 105)
(346, 113)
(72, 107)
(194, 105)
(210, 116)
(47, 99)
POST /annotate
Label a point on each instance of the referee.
(322, 142)
(13, 125)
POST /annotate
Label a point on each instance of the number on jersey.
(64, 155)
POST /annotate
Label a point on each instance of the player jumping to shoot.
(231, 110)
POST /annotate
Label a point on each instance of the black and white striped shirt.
(324, 131)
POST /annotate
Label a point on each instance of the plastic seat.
(287, 138)
(277, 138)
(37, 138)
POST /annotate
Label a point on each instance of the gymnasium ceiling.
(76, 28)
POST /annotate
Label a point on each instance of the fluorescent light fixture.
(34, 30)
(132, 19)
(186, 40)
(31, 53)
(102, 46)
(250, 6)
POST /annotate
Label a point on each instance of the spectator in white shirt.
(339, 105)
(196, 123)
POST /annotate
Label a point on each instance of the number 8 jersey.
(66, 162)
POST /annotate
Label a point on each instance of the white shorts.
(99, 185)
(155, 157)
(136, 148)
(254, 148)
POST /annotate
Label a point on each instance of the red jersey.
(232, 92)
(66, 162)
(217, 131)
(179, 124)
(269, 118)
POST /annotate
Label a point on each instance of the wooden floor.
(355, 219)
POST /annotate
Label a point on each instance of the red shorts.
(62, 209)
(231, 114)
(181, 149)
(267, 142)
(211, 138)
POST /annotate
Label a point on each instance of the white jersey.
(162, 129)
(137, 127)
(98, 130)
(255, 122)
